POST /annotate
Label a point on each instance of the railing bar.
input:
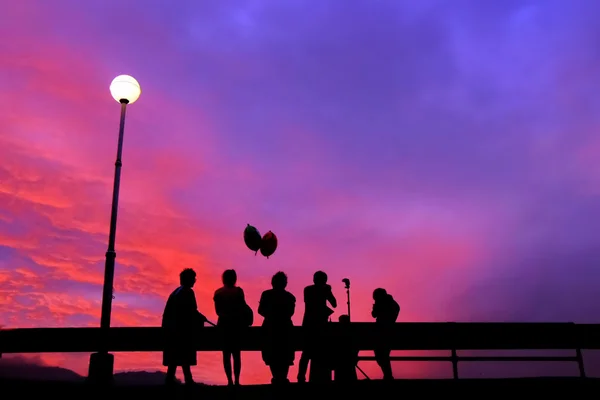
(517, 358)
(367, 358)
(471, 359)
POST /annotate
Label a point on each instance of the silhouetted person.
(316, 314)
(345, 353)
(277, 306)
(385, 311)
(230, 305)
(181, 321)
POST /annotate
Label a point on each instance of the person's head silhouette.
(229, 278)
(344, 319)
(379, 294)
(320, 278)
(187, 277)
(279, 280)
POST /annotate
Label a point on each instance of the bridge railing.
(450, 336)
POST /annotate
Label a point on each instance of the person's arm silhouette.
(330, 297)
(192, 306)
(291, 306)
(262, 306)
(240, 302)
(218, 304)
(307, 295)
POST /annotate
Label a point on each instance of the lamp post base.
(101, 368)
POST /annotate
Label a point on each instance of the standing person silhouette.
(385, 311)
(230, 305)
(181, 321)
(316, 314)
(277, 306)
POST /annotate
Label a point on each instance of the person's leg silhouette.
(227, 366)
(170, 378)
(187, 374)
(383, 360)
(285, 369)
(303, 365)
(237, 365)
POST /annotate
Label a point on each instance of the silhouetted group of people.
(182, 320)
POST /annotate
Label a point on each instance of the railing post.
(454, 364)
(580, 363)
(454, 355)
(101, 367)
(578, 353)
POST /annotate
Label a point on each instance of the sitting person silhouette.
(345, 354)
(385, 311)
(316, 314)
(277, 306)
(230, 305)
(181, 321)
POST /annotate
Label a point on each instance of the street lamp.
(125, 90)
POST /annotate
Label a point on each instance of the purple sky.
(445, 150)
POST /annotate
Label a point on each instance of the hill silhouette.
(25, 368)
(21, 368)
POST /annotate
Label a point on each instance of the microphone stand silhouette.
(346, 282)
(347, 286)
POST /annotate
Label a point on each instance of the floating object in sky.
(269, 244)
(252, 238)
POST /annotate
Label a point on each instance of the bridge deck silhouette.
(405, 336)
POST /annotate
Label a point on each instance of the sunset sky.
(447, 150)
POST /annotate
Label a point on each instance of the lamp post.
(125, 90)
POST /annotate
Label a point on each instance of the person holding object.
(181, 322)
(385, 311)
(316, 315)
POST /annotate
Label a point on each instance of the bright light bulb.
(125, 88)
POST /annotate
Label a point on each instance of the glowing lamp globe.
(125, 88)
